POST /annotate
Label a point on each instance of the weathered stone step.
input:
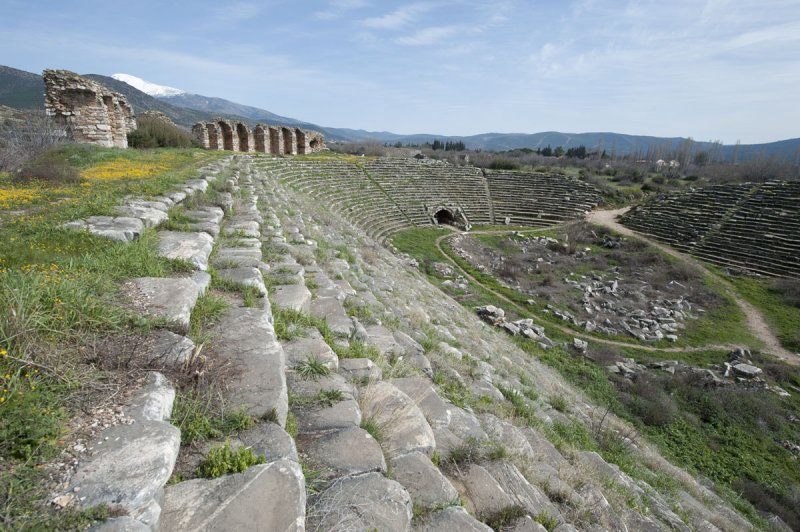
(129, 464)
(152, 214)
(425, 483)
(313, 417)
(246, 338)
(244, 276)
(163, 297)
(402, 424)
(292, 296)
(265, 497)
(334, 314)
(308, 348)
(193, 248)
(454, 518)
(363, 502)
(119, 228)
(167, 349)
(348, 451)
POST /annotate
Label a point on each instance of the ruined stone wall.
(90, 112)
(224, 134)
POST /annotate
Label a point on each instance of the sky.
(723, 70)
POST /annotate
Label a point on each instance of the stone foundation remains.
(89, 112)
(279, 140)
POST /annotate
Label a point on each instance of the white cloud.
(427, 36)
(237, 11)
(398, 18)
(337, 8)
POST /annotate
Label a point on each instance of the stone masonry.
(223, 134)
(90, 112)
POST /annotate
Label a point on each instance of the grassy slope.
(783, 317)
(732, 437)
(57, 290)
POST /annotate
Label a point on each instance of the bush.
(504, 163)
(155, 132)
(789, 290)
(51, 172)
(23, 139)
(223, 460)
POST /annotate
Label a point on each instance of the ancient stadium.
(260, 331)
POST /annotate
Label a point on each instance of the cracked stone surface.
(120, 228)
(162, 297)
(265, 497)
(191, 247)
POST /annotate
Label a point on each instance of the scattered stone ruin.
(89, 112)
(223, 134)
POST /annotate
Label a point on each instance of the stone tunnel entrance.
(444, 216)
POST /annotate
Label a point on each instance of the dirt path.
(755, 321)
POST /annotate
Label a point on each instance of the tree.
(701, 158)
(559, 151)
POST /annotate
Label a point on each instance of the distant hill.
(24, 90)
(144, 102)
(20, 89)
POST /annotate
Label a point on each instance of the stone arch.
(275, 141)
(302, 145)
(444, 216)
(226, 132)
(260, 139)
(289, 146)
(244, 137)
(213, 137)
(314, 144)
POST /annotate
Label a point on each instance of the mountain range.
(25, 90)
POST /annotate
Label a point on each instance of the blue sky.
(719, 69)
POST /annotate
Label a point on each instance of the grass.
(207, 310)
(200, 417)
(312, 369)
(708, 437)
(767, 296)
(373, 428)
(504, 517)
(59, 289)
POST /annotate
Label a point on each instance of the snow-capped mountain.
(146, 87)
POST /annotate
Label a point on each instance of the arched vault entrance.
(444, 216)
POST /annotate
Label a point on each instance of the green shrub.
(505, 517)
(154, 132)
(223, 460)
(31, 418)
(49, 171)
(504, 163)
